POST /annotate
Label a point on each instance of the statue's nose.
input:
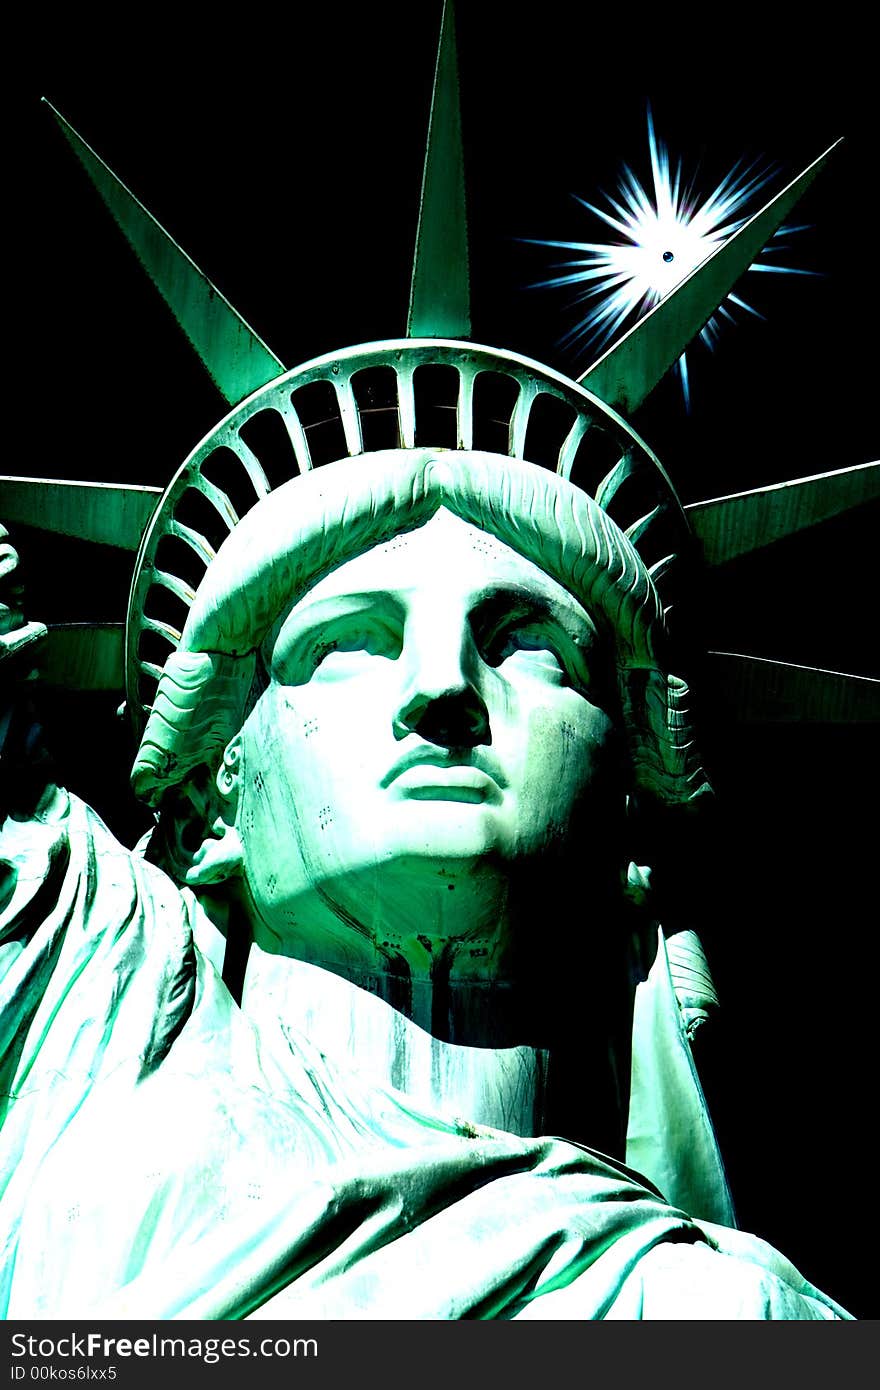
(451, 718)
(442, 702)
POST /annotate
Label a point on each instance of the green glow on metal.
(103, 513)
(236, 358)
(439, 305)
(760, 691)
(730, 526)
(85, 656)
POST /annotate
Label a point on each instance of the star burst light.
(662, 235)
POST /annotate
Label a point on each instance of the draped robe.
(163, 1155)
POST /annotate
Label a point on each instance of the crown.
(402, 394)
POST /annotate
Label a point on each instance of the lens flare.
(663, 231)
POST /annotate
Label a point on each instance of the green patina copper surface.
(439, 304)
(236, 358)
(411, 715)
(728, 527)
(102, 513)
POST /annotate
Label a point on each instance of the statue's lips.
(433, 775)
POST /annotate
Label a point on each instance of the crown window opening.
(436, 389)
(226, 471)
(375, 391)
(317, 406)
(660, 536)
(175, 556)
(632, 494)
(596, 456)
(195, 510)
(265, 434)
(495, 396)
(153, 648)
(148, 684)
(550, 421)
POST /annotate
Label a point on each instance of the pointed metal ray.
(236, 358)
(104, 513)
(84, 656)
(759, 691)
(625, 374)
(745, 521)
(439, 302)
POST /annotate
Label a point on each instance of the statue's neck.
(525, 1089)
(499, 1086)
(510, 1030)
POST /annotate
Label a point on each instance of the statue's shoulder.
(63, 871)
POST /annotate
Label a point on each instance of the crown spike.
(103, 513)
(85, 656)
(630, 369)
(727, 527)
(237, 360)
(439, 303)
(757, 690)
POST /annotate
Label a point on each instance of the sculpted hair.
(314, 523)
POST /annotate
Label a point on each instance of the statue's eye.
(531, 645)
(334, 640)
(348, 646)
(522, 640)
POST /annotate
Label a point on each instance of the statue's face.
(435, 705)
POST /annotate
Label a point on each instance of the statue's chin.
(411, 914)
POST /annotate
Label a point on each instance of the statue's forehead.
(444, 552)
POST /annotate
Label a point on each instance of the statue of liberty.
(418, 749)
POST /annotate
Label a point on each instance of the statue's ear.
(219, 854)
